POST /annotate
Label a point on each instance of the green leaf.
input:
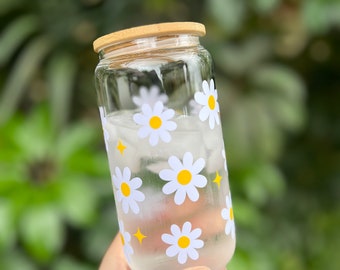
(100, 236)
(15, 34)
(34, 136)
(262, 182)
(246, 213)
(238, 59)
(7, 228)
(8, 5)
(229, 14)
(42, 232)
(282, 94)
(24, 68)
(236, 134)
(279, 81)
(68, 263)
(14, 260)
(264, 134)
(265, 6)
(78, 201)
(316, 16)
(75, 138)
(239, 261)
(61, 75)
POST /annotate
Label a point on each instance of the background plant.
(277, 64)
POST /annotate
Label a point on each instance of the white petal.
(176, 231)
(193, 254)
(180, 196)
(164, 98)
(143, 92)
(140, 119)
(118, 174)
(182, 257)
(193, 194)
(135, 183)
(115, 181)
(137, 100)
(198, 166)
(205, 87)
(168, 114)
(146, 109)
(154, 91)
(119, 195)
(200, 98)
(175, 163)
(233, 232)
(197, 243)
(224, 214)
(144, 131)
(134, 206)
(204, 113)
(168, 239)
(158, 108)
(186, 227)
(170, 125)
(228, 227)
(170, 187)
(125, 206)
(172, 251)
(200, 181)
(154, 138)
(211, 121)
(138, 196)
(212, 85)
(195, 234)
(167, 175)
(188, 160)
(126, 174)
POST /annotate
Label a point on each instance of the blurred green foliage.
(277, 67)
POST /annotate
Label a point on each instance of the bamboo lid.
(160, 29)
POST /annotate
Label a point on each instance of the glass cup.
(159, 110)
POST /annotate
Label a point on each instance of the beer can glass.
(160, 114)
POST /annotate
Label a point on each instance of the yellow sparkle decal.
(121, 147)
(218, 179)
(139, 236)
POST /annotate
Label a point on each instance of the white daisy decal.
(155, 122)
(150, 96)
(184, 178)
(183, 242)
(208, 99)
(228, 215)
(127, 192)
(104, 123)
(125, 238)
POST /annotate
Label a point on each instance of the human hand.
(114, 258)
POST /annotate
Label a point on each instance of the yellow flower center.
(231, 213)
(211, 102)
(125, 188)
(122, 238)
(184, 177)
(155, 122)
(183, 242)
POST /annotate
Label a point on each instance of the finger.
(114, 257)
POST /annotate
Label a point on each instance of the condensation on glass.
(159, 110)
